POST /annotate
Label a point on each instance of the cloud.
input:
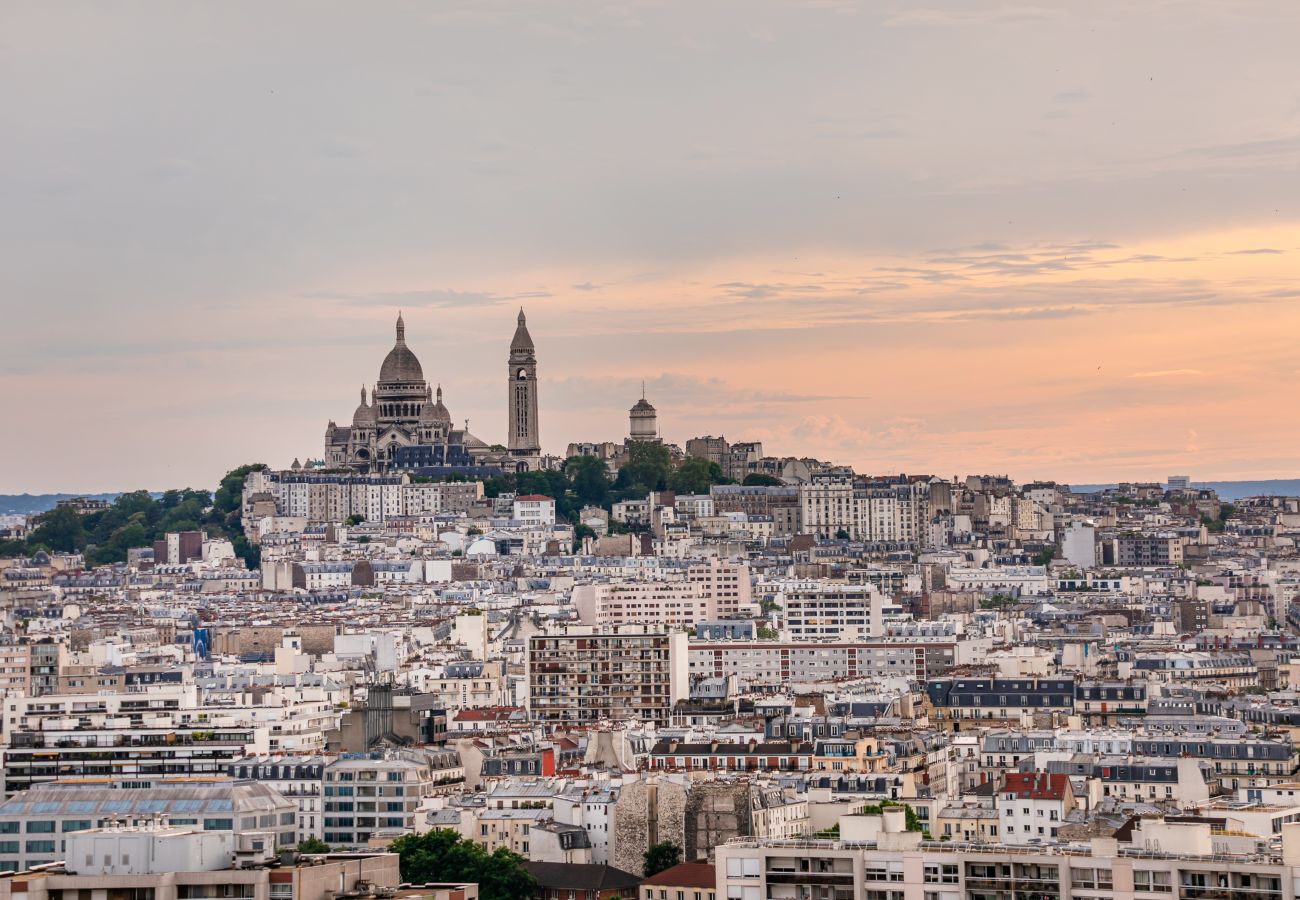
(1167, 373)
(946, 18)
(432, 298)
(674, 393)
(1074, 95)
(1257, 251)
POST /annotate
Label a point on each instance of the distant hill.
(31, 504)
(1229, 490)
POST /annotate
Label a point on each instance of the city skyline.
(960, 238)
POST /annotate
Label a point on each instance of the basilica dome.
(400, 365)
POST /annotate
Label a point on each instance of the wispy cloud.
(950, 18)
(1167, 373)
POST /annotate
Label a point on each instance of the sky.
(1052, 240)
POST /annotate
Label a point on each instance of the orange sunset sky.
(1055, 240)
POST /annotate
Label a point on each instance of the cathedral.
(405, 427)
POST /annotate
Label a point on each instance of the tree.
(758, 479)
(1044, 556)
(695, 476)
(842, 535)
(352, 520)
(766, 634)
(443, 855)
(137, 519)
(647, 469)
(663, 855)
(313, 845)
(61, 530)
(588, 478)
(912, 822)
(581, 531)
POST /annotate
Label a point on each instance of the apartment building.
(894, 866)
(165, 862)
(994, 701)
(774, 664)
(34, 824)
(1140, 551)
(368, 797)
(826, 611)
(588, 674)
(297, 778)
(887, 511)
(707, 590)
(141, 737)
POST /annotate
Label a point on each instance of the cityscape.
(791, 450)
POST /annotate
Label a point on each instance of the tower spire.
(401, 329)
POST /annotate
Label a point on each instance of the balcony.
(829, 879)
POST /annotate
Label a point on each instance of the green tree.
(1044, 556)
(842, 535)
(695, 476)
(443, 855)
(60, 530)
(766, 634)
(911, 820)
(313, 845)
(647, 469)
(581, 531)
(354, 520)
(588, 479)
(663, 855)
(758, 479)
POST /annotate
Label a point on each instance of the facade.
(297, 778)
(334, 497)
(34, 824)
(835, 504)
(1139, 551)
(144, 736)
(590, 675)
(818, 611)
(902, 867)
(535, 510)
(1032, 806)
(367, 798)
(775, 664)
(157, 862)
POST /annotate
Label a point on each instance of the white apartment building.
(824, 611)
(706, 591)
(534, 511)
(898, 512)
(1173, 860)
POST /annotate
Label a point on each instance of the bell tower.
(523, 437)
